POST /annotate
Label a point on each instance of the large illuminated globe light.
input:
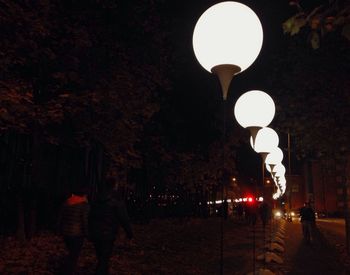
(279, 169)
(266, 140)
(275, 157)
(277, 194)
(227, 33)
(282, 180)
(254, 109)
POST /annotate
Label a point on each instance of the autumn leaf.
(294, 24)
(314, 39)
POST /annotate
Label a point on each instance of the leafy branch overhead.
(319, 20)
(73, 72)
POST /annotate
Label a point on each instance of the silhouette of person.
(73, 225)
(251, 213)
(107, 213)
(240, 211)
(307, 218)
(264, 211)
(225, 209)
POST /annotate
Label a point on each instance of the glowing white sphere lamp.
(266, 141)
(273, 158)
(280, 170)
(226, 40)
(282, 183)
(276, 195)
(282, 180)
(254, 110)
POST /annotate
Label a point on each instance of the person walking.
(225, 209)
(73, 225)
(107, 213)
(251, 213)
(307, 219)
(265, 213)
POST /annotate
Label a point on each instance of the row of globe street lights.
(255, 110)
(227, 39)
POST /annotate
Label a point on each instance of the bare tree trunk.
(38, 154)
(21, 235)
(32, 219)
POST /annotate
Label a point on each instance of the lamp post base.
(225, 73)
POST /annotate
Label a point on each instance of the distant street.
(332, 226)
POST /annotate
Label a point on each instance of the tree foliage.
(312, 96)
(320, 19)
(74, 72)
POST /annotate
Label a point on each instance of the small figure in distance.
(73, 225)
(307, 218)
(225, 209)
(107, 212)
(264, 211)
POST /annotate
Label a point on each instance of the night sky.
(113, 49)
(196, 99)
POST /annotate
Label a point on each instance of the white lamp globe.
(282, 181)
(265, 141)
(280, 170)
(275, 157)
(279, 175)
(277, 194)
(227, 33)
(254, 109)
(283, 187)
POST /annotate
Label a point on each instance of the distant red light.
(250, 199)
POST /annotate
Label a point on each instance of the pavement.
(319, 257)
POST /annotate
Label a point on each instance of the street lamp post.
(266, 141)
(273, 158)
(254, 110)
(224, 47)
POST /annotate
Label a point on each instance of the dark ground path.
(179, 247)
(320, 257)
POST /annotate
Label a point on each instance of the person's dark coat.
(307, 214)
(73, 219)
(107, 213)
(264, 212)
